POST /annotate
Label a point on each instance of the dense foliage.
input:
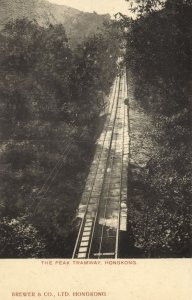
(159, 55)
(50, 100)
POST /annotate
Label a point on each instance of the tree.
(159, 57)
(50, 100)
(142, 7)
(19, 239)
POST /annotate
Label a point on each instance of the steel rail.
(109, 184)
(89, 198)
(96, 217)
(119, 215)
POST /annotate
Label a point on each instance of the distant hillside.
(78, 24)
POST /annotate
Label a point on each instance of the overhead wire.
(56, 169)
(42, 192)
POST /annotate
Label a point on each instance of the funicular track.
(103, 207)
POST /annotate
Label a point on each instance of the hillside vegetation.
(159, 57)
(78, 25)
(50, 101)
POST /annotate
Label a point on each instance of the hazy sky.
(100, 6)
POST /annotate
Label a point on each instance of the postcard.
(95, 152)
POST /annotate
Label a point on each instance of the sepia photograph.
(96, 130)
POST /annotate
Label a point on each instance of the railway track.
(103, 207)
